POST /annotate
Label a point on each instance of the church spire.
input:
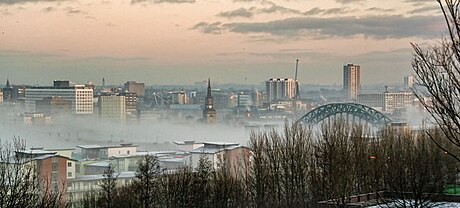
(209, 87)
(8, 83)
(209, 113)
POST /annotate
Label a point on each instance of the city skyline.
(232, 41)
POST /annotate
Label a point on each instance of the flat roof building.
(113, 108)
(81, 97)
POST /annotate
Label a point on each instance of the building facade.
(179, 98)
(280, 89)
(53, 105)
(388, 101)
(351, 81)
(244, 100)
(80, 97)
(113, 108)
(138, 88)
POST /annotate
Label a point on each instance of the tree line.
(298, 167)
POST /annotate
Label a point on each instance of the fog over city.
(67, 132)
(229, 103)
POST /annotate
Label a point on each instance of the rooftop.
(186, 142)
(95, 146)
(221, 143)
(99, 164)
(213, 150)
(36, 152)
(121, 175)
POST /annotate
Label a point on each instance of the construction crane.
(297, 93)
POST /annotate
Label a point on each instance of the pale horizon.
(185, 41)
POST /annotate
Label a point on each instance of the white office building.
(80, 96)
(388, 101)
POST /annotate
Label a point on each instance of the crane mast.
(296, 67)
(297, 93)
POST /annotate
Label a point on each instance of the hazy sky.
(184, 41)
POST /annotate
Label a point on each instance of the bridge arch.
(360, 111)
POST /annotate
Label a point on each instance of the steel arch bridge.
(356, 110)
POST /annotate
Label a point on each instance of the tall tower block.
(351, 81)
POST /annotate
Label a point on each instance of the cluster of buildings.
(37, 103)
(133, 102)
(81, 170)
(392, 103)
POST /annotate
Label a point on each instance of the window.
(69, 174)
(54, 166)
(69, 164)
(128, 152)
(54, 177)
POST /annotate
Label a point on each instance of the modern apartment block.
(81, 97)
(351, 81)
(280, 89)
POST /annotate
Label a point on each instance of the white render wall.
(112, 151)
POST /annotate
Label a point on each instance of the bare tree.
(20, 184)
(437, 71)
(179, 189)
(415, 169)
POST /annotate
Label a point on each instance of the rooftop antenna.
(297, 93)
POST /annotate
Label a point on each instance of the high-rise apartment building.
(80, 96)
(112, 108)
(280, 89)
(138, 88)
(351, 81)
